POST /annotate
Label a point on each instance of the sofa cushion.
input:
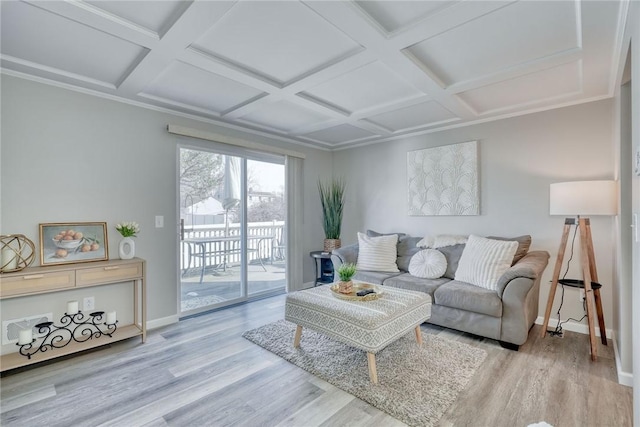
(484, 260)
(452, 254)
(406, 249)
(373, 277)
(412, 283)
(465, 296)
(524, 243)
(428, 264)
(377, 253)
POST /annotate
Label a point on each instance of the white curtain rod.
(216, 137)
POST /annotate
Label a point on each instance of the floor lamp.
(580, 199)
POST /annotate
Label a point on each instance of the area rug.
(416, 383)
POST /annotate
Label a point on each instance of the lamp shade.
(583, 198)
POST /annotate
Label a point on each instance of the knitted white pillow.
(428, 264)
(442, 240)
(483, 261)
(378, 253)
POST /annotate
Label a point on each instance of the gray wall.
(67, 157)
(518, 159)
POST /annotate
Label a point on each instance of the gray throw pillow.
(524, 243)
(452, 254)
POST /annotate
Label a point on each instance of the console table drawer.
(39, 282)
(108, 274)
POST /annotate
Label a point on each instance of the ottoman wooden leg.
(373, 373)
(296, 339)
(418, 335)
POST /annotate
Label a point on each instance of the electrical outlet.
(89, 303)
(582, 296)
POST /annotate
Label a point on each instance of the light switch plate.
(159, 221)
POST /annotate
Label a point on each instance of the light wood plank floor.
(201, 372)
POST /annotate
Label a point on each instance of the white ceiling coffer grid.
(328, 74)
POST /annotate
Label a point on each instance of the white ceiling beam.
(193, 23)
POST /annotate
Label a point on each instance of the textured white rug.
(416, 383)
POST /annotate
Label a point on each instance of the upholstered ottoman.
(366, 325)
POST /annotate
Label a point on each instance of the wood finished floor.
(201, 372)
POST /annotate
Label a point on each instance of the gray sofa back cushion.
(372, 233)
(406, 249)
(452, 254)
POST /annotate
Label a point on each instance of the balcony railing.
(228, 252)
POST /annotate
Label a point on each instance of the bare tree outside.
(201, 174)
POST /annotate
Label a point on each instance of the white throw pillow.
(428, 264)
(483, 261)
(426, 242)
(377, 253)
(442, 240)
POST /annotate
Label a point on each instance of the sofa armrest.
(344, 255)
(519, 289)
(530, 266)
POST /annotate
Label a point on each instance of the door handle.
(181, 229)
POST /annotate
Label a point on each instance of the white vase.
(127, 248)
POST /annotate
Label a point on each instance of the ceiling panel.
(285, 116)
(480, 47)
(152, 15)
(341, 133)
(280, 40)
(554, 83)
(363, 88)
(327, 73)
(189, 85)
(413, 116)
(64, 44)
(394, 15)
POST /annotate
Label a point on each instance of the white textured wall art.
(444, 180)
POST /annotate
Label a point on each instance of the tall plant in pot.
(332, 199)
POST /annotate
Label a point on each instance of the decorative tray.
(358, 287)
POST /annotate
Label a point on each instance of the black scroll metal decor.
(73, 327)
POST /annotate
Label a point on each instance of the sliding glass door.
(232, 211)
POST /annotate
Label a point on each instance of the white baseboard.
(624, 378)
(581, 328)
(164, 321)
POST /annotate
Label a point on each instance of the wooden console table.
(45, 280)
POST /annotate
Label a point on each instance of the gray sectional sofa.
(505, 315)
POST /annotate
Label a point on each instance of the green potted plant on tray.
(346, 272)
(332, 199)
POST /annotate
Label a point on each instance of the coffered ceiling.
(331, 74)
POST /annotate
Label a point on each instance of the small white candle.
(25, 337)
(72, 307)
(9, 259)
(111, 318)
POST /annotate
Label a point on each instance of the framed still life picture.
(73, 242)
